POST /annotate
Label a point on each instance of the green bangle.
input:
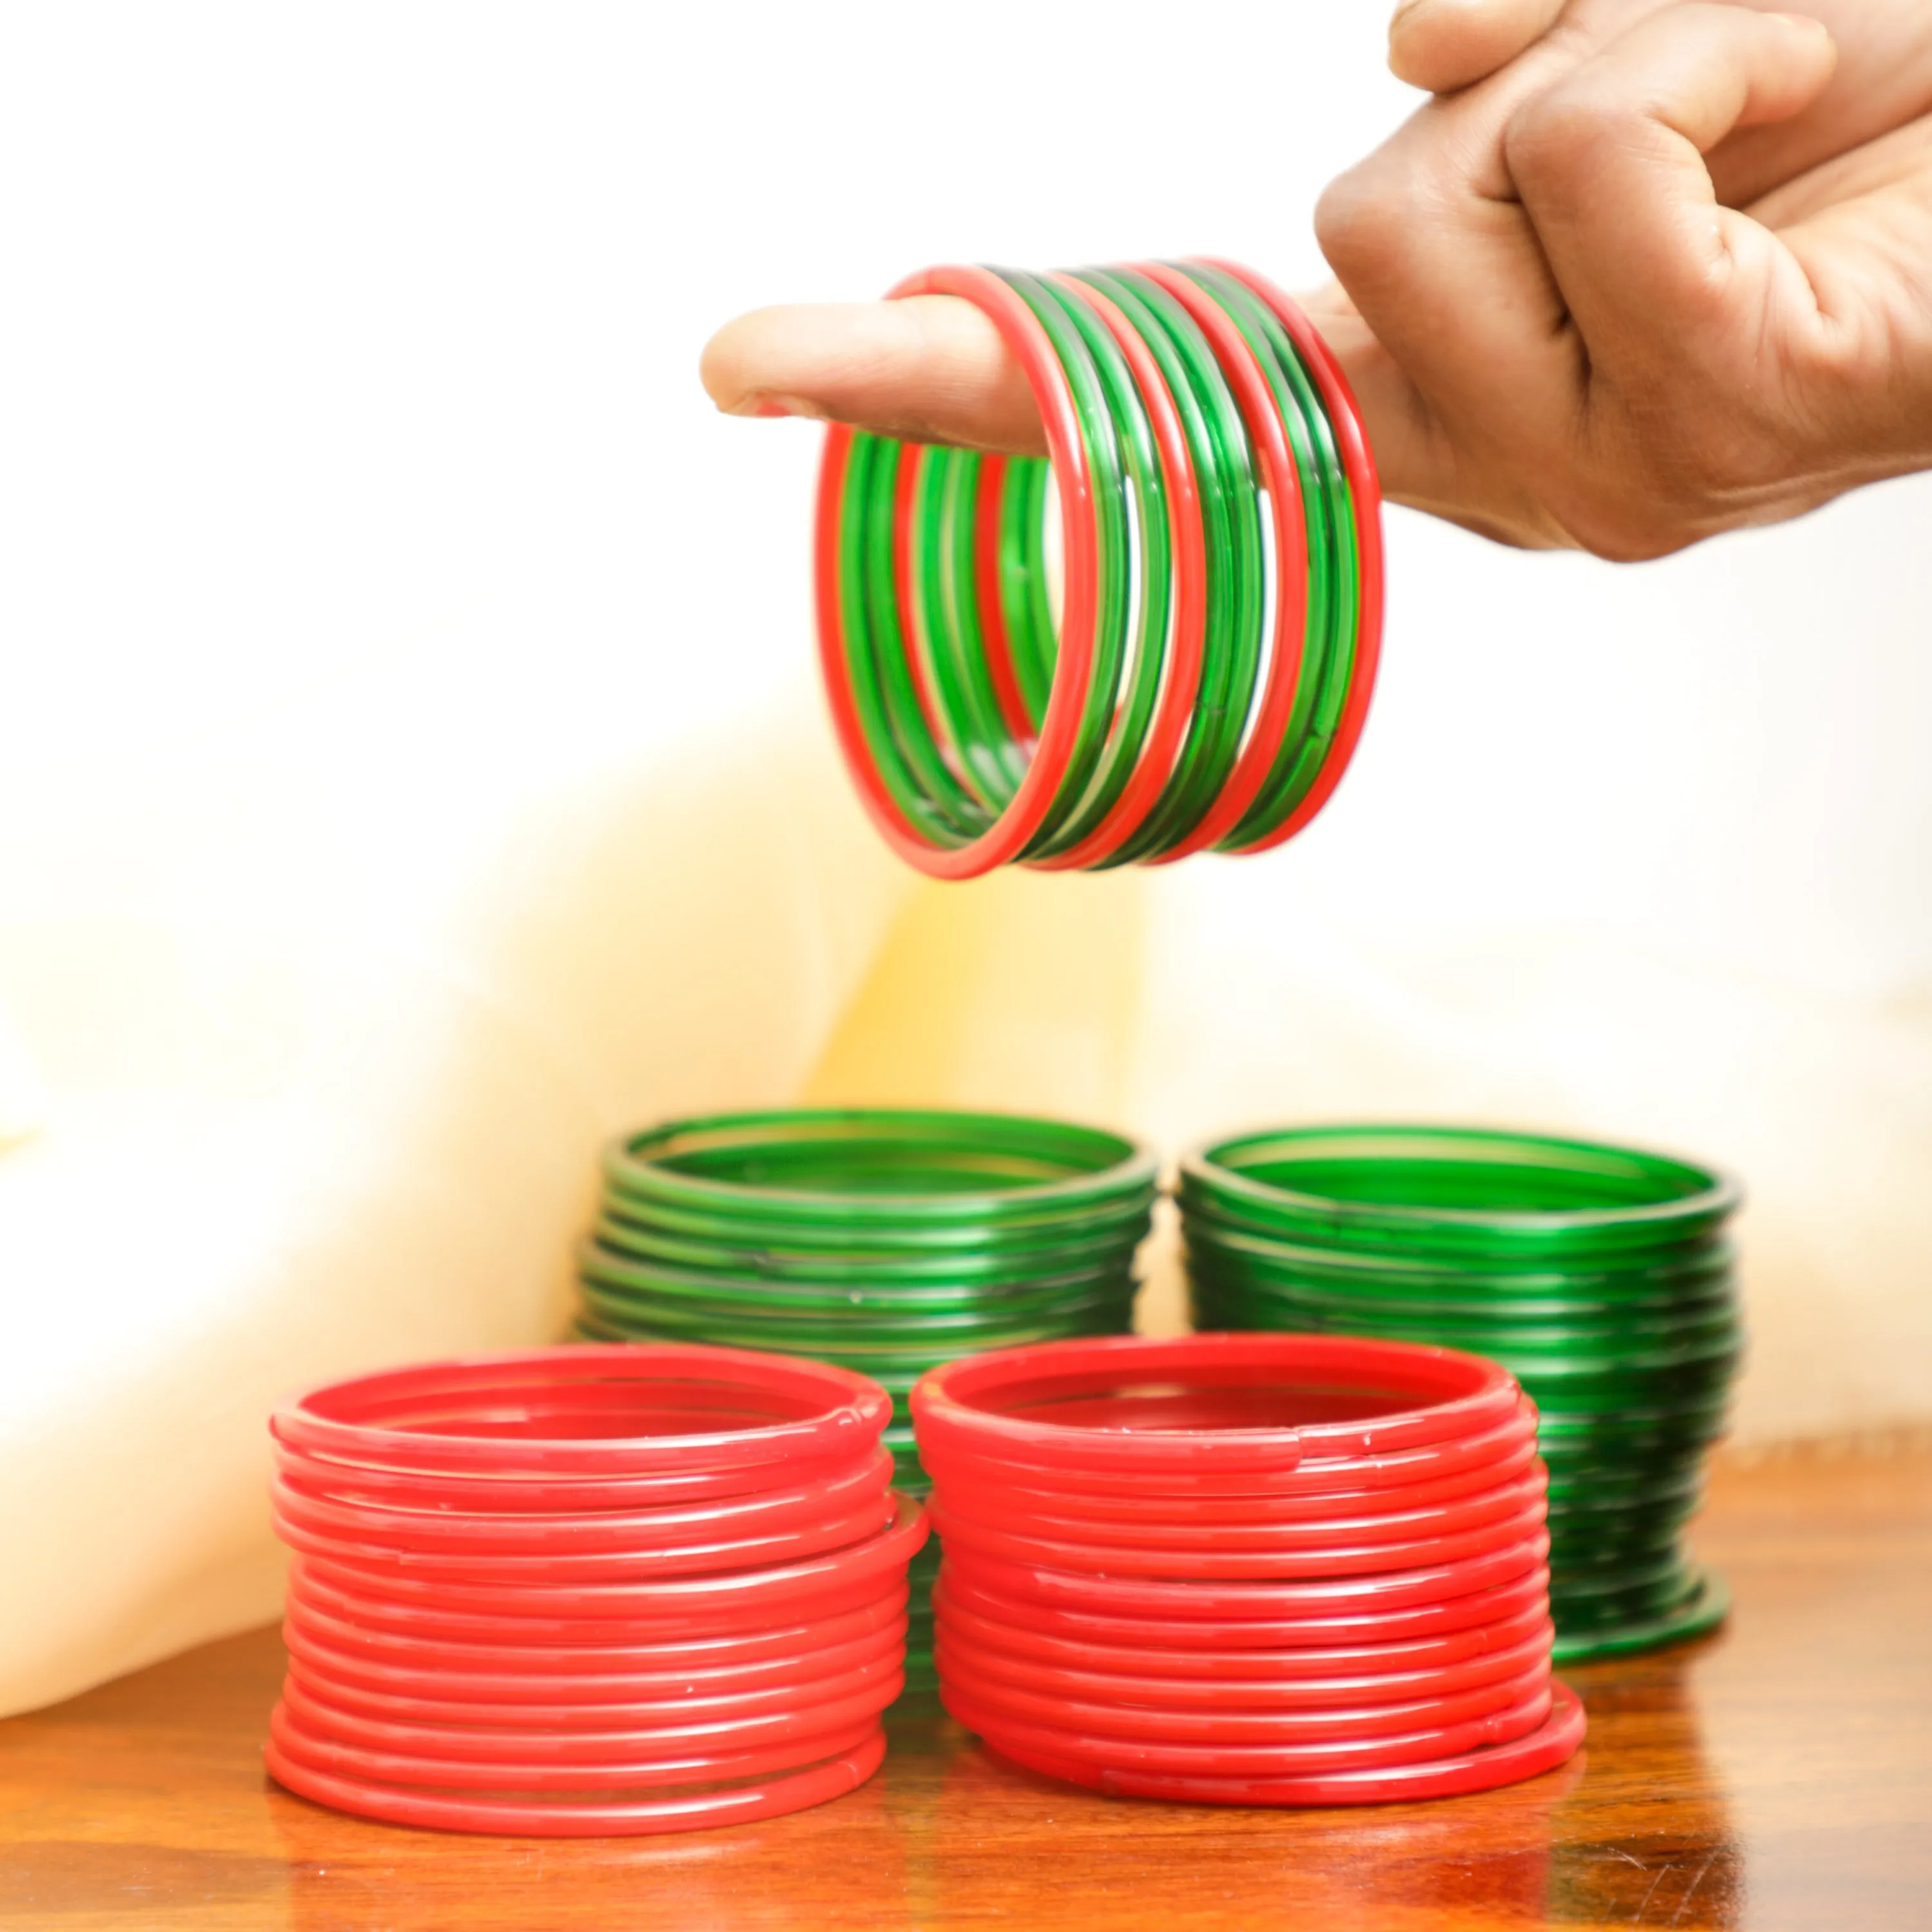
(879, 1171)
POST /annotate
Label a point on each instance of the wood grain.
(1778, 1775)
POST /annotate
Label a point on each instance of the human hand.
(1650, 272)
(1662, 273)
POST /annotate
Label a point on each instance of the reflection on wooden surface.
(1778, 1775)
(1684, 1866)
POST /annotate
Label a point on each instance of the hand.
(1662, 273)
(1650, 271)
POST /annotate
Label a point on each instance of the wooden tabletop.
(1777, 1775)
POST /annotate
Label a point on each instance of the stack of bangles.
(886, 1239)
(1201, 679)
(1246, 1570)
(1602, 1277)
(588, 1591)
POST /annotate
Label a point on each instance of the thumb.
(1445, 44)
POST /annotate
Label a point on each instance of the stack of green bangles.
(885, 1241)
(1602, 1277)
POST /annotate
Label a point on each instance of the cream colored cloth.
(280, 1148)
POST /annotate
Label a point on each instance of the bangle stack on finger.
(1602, 1276)
(588, 1591)
(1203, 681)
(887, 1240)
(1244, 1569)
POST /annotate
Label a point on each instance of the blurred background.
(412, 768)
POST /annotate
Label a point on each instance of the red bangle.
(1091, 1682)
(479, 1489)
(1225, 1725)
(1242, 1603)
(372, 1798)
(568, 1643)
(708, 1604)
(1309, 1486)
(863, 1485)
(1357, 1564)
(1137, 1754)
(996, 1508)
(571, 1714)
(970, 1403)
(1027, 1493)
(767, 1409)
(329, 1754)
(989, 1624)
(1026, 810)
(1475, 1610)
(410, 1674)
(1552, 1743)
(593, 1567)
(320, 1716)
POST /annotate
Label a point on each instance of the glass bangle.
(346, 1791)
(1550, 1745)
(1184, 404)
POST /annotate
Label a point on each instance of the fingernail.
(777, 405)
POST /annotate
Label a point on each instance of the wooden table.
(1779, 1774)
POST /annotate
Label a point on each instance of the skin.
(1636, 273)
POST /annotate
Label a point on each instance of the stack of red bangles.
(1246, 1569)
(579, 1591)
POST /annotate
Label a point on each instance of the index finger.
(925, 369)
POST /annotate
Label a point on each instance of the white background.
(357, 344)
(344, 341)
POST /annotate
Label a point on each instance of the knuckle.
(1556, 135)
(1365, 220)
